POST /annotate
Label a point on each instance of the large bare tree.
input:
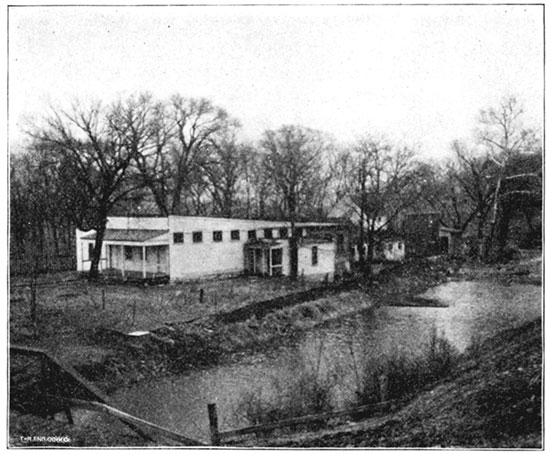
(93, 162)
(380, 185)
(503, 134)
(294, 161)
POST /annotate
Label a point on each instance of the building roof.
(263, 243)
(128, 235)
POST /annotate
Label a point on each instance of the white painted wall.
(326, 253)
(193, 260)
(83, 258)
(394, 250)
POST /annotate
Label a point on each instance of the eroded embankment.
(210, 341)
(493, 400)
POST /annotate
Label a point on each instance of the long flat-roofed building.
(191, 247)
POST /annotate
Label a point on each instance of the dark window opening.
(178, 237)
(339, 243)
(268, 234)
(277, 262)
(217, 236)
(128, 252)
(283, 232)
(235, 234)
(252, 234)
(314, 256)
(90, 250)
(197, 237)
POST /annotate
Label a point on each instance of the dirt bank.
(493, 400)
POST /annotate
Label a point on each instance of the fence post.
(213, 418)
(44, 379)
(69, 415)
(201, 296)
(103, 299)
(383, 382)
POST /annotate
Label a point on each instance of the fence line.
(46, 283)
(217, 437)
(99, 401)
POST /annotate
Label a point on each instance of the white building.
(189, 247)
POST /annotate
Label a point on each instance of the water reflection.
(476, 310)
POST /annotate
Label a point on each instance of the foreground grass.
(492, 401)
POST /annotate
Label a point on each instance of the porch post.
(143, 258)
(123, 259)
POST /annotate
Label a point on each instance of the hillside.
(492, 401)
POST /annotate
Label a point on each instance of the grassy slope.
(493, 401)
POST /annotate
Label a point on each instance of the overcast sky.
(419, 74)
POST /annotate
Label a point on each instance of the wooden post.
(69, 415)
(103, 299)
(43, 372)
(213, 419)
(383, 382)
(143, 262)
(201, 296)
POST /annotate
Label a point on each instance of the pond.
(476, 310)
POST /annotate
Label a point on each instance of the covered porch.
(264, 257)
(136, 254)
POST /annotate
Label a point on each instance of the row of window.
(217, 235)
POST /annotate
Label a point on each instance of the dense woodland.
(144, 156)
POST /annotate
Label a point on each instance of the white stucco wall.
(193, 260)
(326, 253)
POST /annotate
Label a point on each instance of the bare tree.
(92, 161)
(380, 185)
(504, 136)
(477, 176)
(142, 124)
(293, 160)
(196, 121)
(223, 172)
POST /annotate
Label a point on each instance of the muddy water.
(476, 310)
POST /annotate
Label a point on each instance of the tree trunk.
(480, 240)
(503, 228)
(361, 242)
(370, 250)
(293, 241)
(96, 257)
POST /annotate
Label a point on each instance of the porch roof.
(129, 235)
(262, 243)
